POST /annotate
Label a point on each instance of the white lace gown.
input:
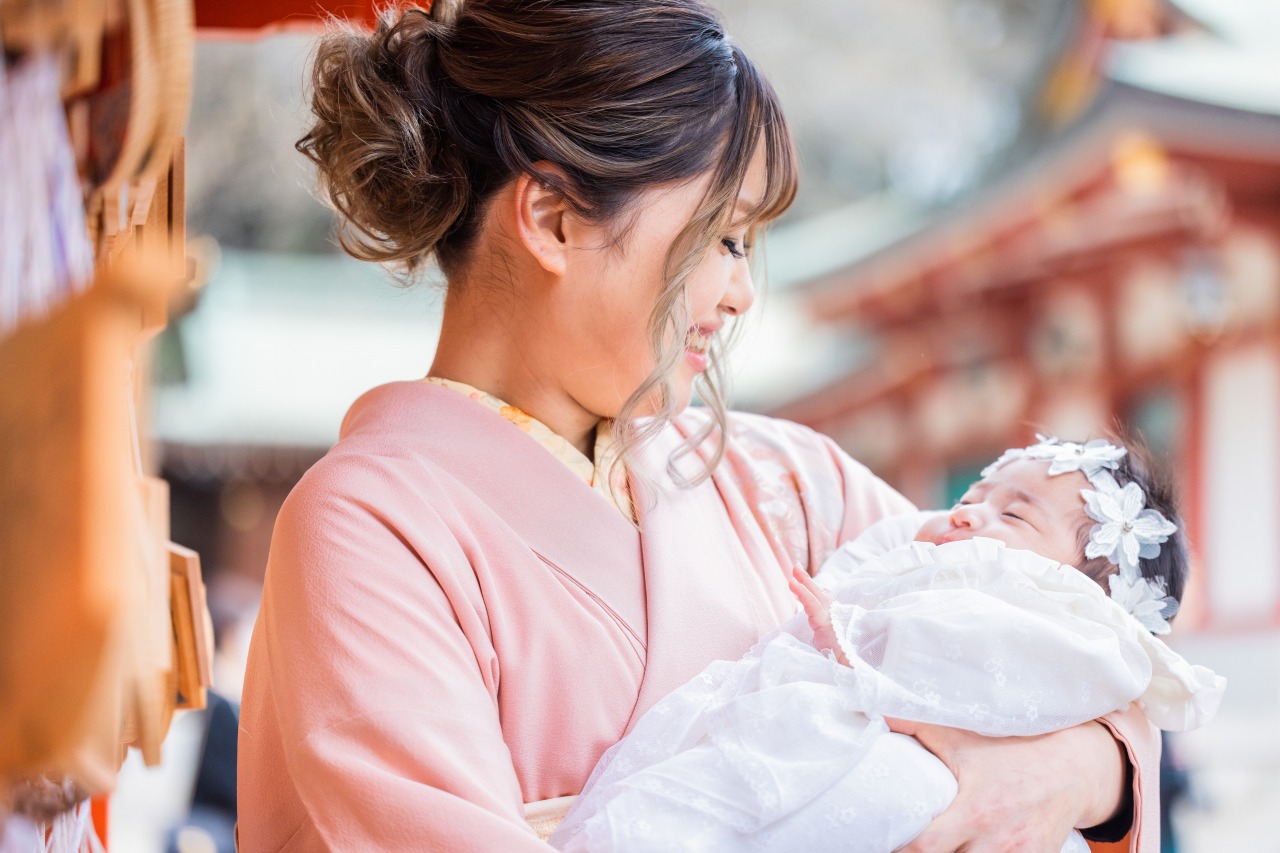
(786, 750)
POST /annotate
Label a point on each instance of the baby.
(976, 618)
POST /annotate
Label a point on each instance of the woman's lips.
(696, 344)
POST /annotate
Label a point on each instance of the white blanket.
(787, 750)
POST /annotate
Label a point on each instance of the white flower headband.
(1126, 529)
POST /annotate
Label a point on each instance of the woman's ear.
(540, 221)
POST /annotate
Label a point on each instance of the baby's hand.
(817, 606)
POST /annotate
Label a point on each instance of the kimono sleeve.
(374, 655)
(842, 497)
(808, 493)
(1140, 741)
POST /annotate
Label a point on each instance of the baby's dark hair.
(1172, 565)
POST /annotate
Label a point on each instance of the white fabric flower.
(1145, 600)
(1090, 458)
(1126, 530)
(1011, 455)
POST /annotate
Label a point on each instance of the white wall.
(1242, 486)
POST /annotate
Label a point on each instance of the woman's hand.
(1020, 793)
(817, 606)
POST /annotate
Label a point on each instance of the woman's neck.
(498, 358)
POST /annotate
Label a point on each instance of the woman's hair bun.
(379, 142)
(419, 124)
(444, 11)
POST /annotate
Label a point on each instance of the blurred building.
(1128, 275)
(920, 102)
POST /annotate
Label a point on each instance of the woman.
(497, 569)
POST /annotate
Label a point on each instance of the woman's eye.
(732, 245)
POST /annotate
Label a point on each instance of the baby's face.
(1021, 506)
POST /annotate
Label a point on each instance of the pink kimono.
(454, 624)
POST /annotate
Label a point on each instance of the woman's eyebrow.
(744, 208)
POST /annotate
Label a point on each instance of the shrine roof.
(1231, 150)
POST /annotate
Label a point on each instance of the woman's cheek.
(707, 286)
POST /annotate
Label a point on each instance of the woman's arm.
(1012, 790)
(370, 719)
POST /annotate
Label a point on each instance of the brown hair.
(419, 123)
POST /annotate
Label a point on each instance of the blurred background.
(1015, 215)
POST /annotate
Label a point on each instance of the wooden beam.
(246, 16)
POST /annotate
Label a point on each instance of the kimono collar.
(530, 493)
(595, 474)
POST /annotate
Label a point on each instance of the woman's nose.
(740, 295)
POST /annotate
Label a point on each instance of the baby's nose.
(967, 515)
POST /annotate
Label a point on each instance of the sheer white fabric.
(787, 750)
